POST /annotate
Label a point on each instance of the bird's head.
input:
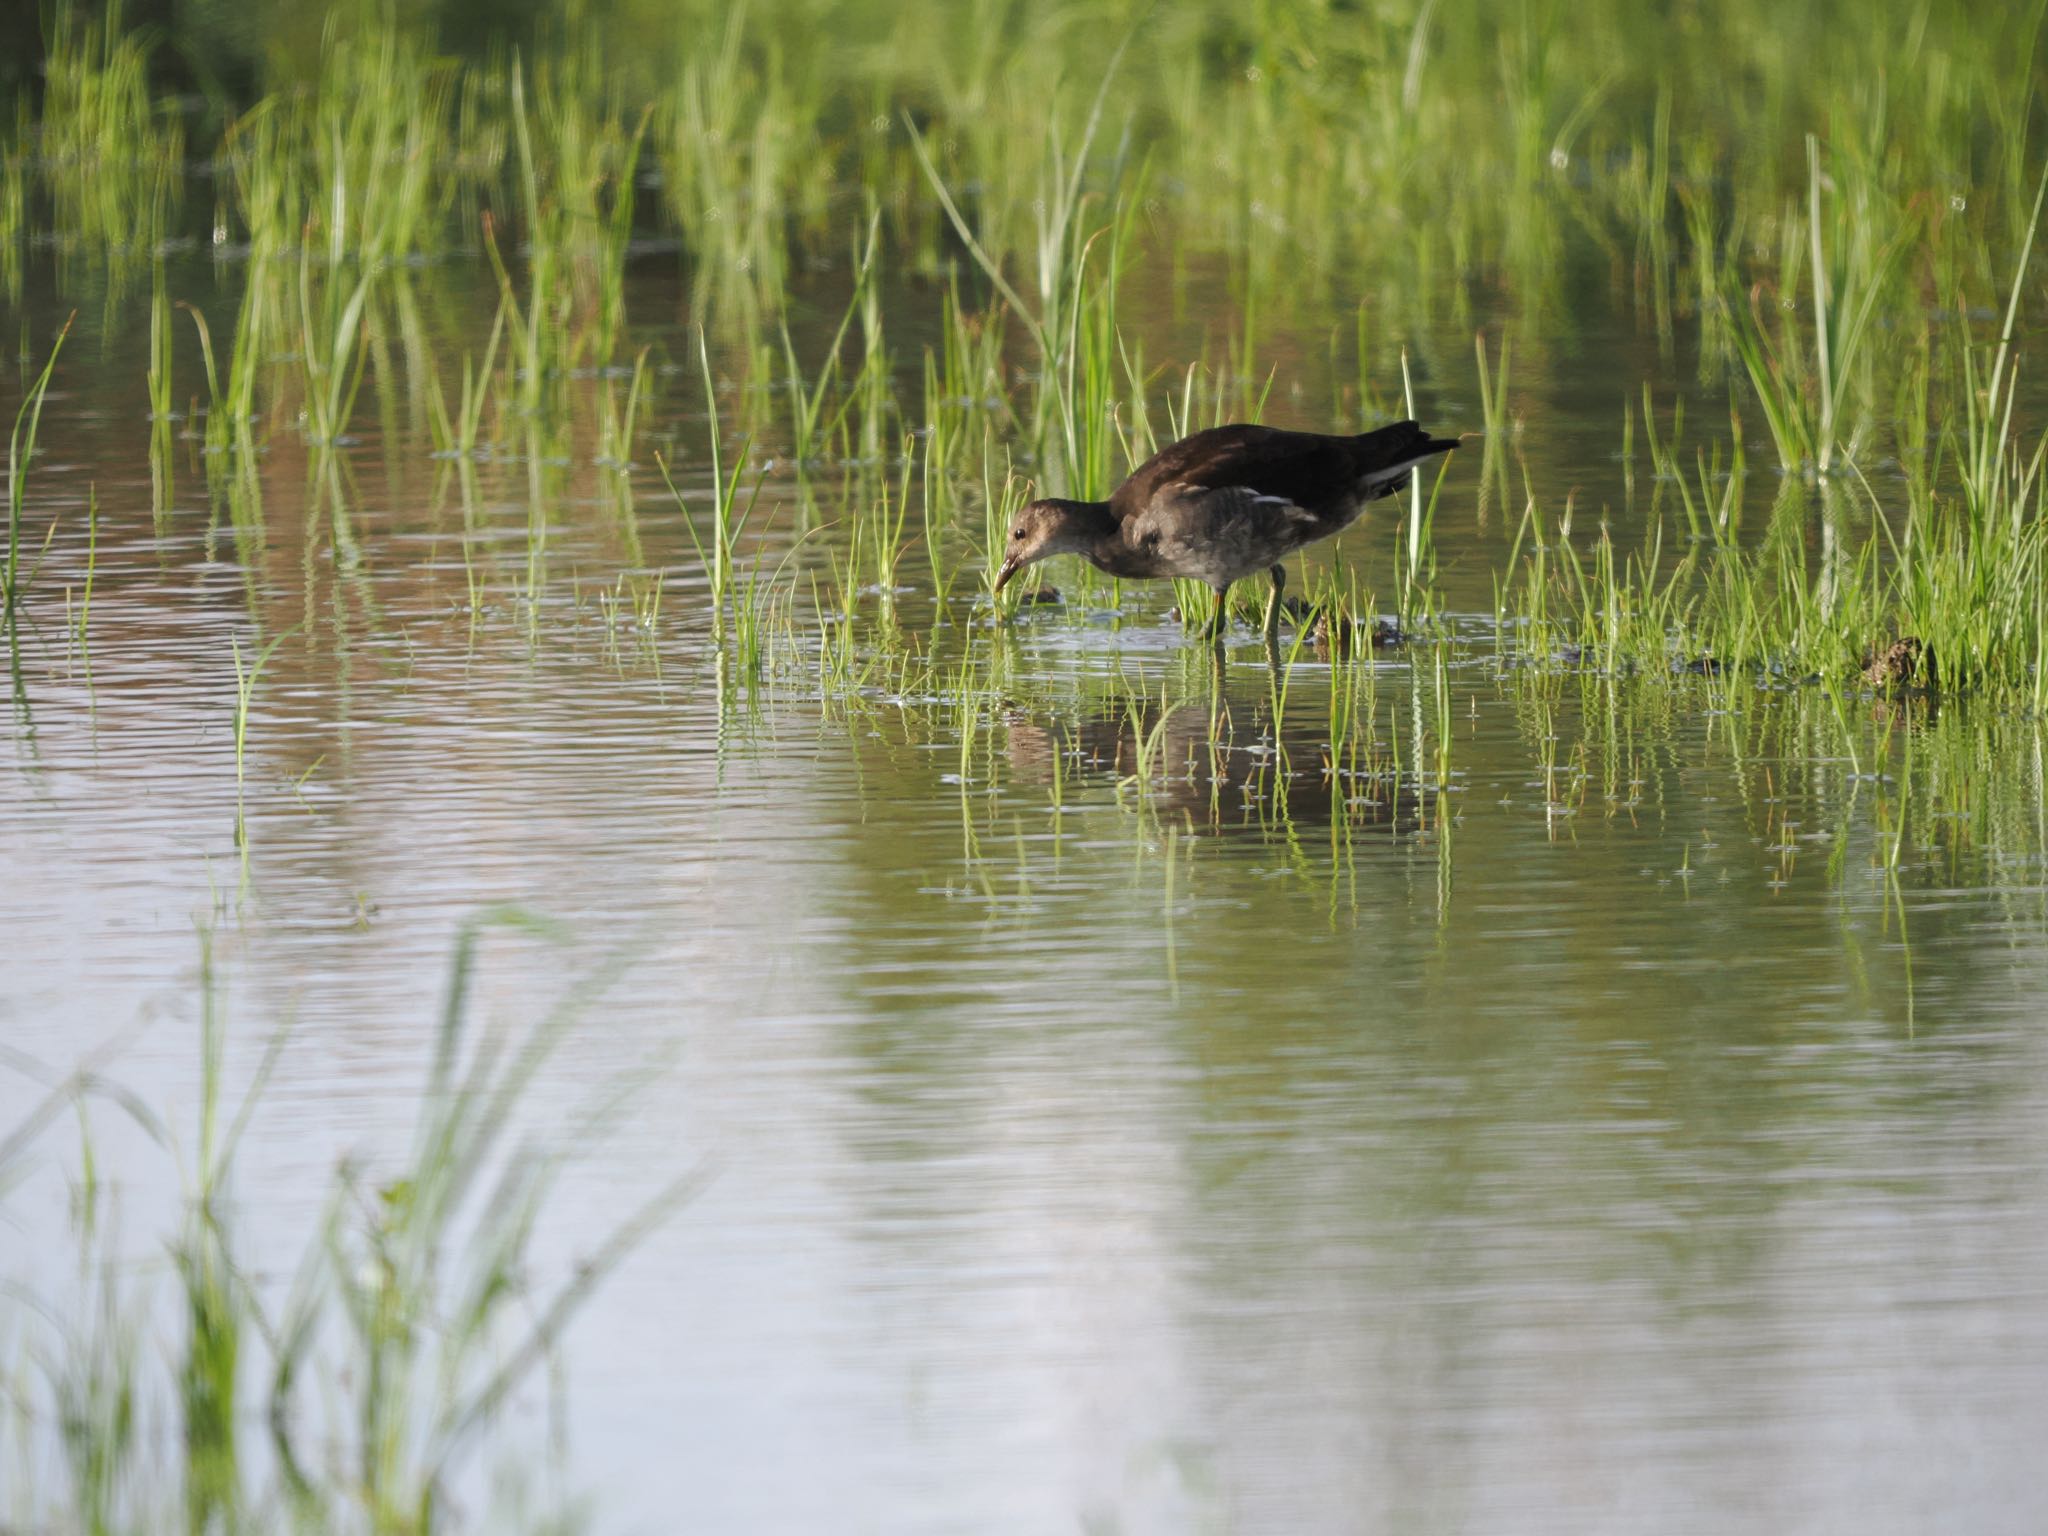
(1042, 529)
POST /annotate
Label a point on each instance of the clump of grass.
(743, 164)
(719, 553)
(332, 303)
(458, 433)
(1076, 354)
(809, 427)
(113, 163)
(1417, 559)
(1998, 479)
(14, 225)
(410, 1319)
(1957, 572)
(383, 150)
(1000, 505)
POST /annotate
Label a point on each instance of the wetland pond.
(1454, 1086)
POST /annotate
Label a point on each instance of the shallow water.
(1606, 1104)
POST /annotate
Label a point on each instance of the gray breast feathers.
(1217, 535)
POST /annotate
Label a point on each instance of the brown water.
(1608, 1136)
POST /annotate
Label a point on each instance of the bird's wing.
(1300, 469)
(1214, 511)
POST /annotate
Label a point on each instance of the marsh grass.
(458, 433)
(1071, 320)
(809, 394)
(112, 162)
(384, 152)
(352, 1396)
(21, 447)
(1837, 574)
(755, 117)
(246, 678)
(1043, 260)
(1000, 505)
(1813, 387)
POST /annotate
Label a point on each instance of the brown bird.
(1223, 504)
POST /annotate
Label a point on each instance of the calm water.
(1596, 1139)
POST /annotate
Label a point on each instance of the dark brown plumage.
(1222, 504)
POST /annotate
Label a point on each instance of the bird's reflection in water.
(1218, 767)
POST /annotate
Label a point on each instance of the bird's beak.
(1010, 568)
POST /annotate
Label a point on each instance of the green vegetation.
(850, 282)
(1826, 230)
(1959, 568)
(350, 1398)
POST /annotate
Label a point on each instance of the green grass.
(1813, 386)
(355, 1395)
(21, 447)
(110, 161)
(1838, 573)
(1019, 180)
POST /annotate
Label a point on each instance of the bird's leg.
(1216, 619)
(1279, 575)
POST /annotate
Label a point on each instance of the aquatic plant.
(112, 161)
(1807, 398)
(21, 447)
(410, 1315)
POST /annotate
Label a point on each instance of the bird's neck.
(1094, 515)
(1091, 530)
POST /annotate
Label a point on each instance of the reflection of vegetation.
(409, 1324)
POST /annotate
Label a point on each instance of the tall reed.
(21, 447)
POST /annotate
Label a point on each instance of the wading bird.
(1223, 504)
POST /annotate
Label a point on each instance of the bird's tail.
(1385, 456)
